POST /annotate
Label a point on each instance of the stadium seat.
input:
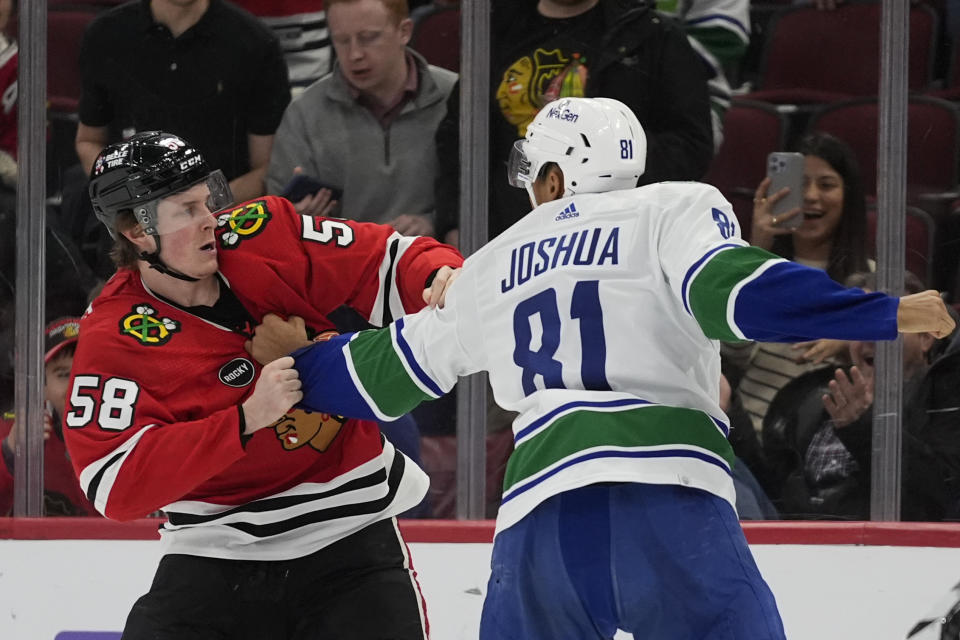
(951, 86)
(933, 142)
(919, 241)
(751, 131)
(436, 36)
(813, 56)
(64, 35)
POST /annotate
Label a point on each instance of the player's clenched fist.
(924, 312)
(277, 390)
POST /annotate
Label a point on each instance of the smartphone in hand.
(302, 185)
(785, 169)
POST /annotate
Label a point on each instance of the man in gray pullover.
(366, 131)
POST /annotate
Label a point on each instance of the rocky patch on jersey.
(147, 329)
(300, 428)
(241, 223)
(237, 373)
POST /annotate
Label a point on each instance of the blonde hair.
(124, 253)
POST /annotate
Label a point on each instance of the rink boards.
(75, 579)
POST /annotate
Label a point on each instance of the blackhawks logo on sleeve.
(243, 222)
(146, 328)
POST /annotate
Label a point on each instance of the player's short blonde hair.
(124, 253)
(398, 8)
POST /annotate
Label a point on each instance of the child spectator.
(62, 495)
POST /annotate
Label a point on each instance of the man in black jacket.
(560, 48)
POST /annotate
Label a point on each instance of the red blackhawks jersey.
(152, 419)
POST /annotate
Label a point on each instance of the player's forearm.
(747, 293)
(249, 186)
(418, 264)
(89, 142)
(371, 375)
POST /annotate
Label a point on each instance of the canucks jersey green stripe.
(378, 365)
(711, 288)
(644, 427)
(724, 44)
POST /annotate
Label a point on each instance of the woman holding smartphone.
(827, 231)
(832, 227)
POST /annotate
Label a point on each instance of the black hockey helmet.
(137, 173)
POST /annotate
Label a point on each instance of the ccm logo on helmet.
(189, 162)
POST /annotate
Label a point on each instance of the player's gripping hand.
(436, 294)
(277, 390)
(275, 337)
(924, 312)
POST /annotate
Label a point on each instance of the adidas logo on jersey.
(569, 212)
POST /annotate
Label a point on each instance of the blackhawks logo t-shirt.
(557, 67)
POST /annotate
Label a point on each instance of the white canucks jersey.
(597, 317)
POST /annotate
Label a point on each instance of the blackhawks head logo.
(142, 325)
(243, 222)
(299, 428)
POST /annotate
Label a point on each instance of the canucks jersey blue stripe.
(580, 404)
(724, 428)
(418, 371)
(594, 455)
(781, 297)
(684, 288)
(327, 383)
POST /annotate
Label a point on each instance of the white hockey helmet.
(598, 143)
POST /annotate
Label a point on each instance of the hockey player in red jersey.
(280, 523)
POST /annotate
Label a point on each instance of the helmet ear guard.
(598, 144)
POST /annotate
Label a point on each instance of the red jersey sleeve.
(132, 456)
(329, 262)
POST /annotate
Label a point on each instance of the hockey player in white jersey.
(597, 317)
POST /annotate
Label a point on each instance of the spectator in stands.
(201, 69)
(832, 448)
(832, 237)
(612, 48)
(719, 31)
(367, 129)
(62, 495)
(68, 281)
(301, 28)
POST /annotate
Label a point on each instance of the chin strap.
(153, 259)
